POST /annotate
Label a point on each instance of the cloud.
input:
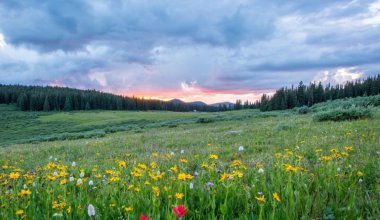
(162, 48)
(338, 76)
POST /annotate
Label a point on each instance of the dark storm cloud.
(232, 45)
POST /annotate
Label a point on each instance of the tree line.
(47, 98)
(303, 95)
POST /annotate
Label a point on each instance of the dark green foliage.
(303, 110)
(38, 98)
(365, 102)
(46, 105)
(288, 98)
(341, 114)
(205, 120)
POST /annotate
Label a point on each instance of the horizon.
(193, 50)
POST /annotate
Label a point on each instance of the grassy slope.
(261, 136)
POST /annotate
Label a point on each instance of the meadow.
(232, 165)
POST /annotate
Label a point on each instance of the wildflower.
(156, 190)
(213, 157)
(122, 164)
(179, 195)
(14, 175)
(24, 192)
(191, 185)
(238, 174)
(348, 148)
(260, 199)
(209, 184)
(360, 180)
(55, 173)
(79, 182)
(91, 210)
(184, 176)
(180, 211)
(153, 165)
(172, 153)
(71, 179)
(276, 197)
(261, 170)
(226, 176)
(326, 158)
(90, 183)
(290, 168)
(19, 212)
(182, 151)
(63, 182)
(73, 164)
(196, 173)
(359, 173)
(81, 174)
(338, 169)
(143, 217)
(183, 160)
(128, 209)
(241, 148)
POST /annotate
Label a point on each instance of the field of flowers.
(253, 169)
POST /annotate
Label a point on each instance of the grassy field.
(232, 165)
(33, 127)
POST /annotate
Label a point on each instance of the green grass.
(318, 189)
(34, 127)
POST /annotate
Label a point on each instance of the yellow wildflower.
(359, 173)
(14, 175)
(128, 209)
(213, 157)
(179, 195)
(260, 199)
(276, 197)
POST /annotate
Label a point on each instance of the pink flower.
(143, 217)
(179, 211)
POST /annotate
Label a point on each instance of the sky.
(211, 51)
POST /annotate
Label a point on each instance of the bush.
(341, 114)
(303, 110)
(205, 120)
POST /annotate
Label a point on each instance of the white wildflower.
(79, 181)
(91, 210)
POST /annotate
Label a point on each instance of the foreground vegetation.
(245, 165)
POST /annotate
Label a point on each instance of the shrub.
(341, 114)
(205, 120)
(303, 110)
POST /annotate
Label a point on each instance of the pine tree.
(46, 105)
(68, 104)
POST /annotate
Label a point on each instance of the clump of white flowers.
(91, 210)
(241, 148)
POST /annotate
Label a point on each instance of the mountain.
(177, 101)
(201, 104)
(197, 103)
